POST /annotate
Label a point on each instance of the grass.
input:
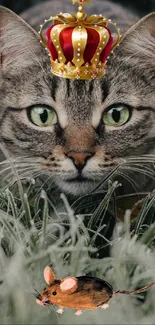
(74, 238)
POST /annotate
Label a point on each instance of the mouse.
(82, 292)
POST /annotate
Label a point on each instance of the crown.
(79, 45)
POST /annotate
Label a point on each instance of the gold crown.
(79, 45)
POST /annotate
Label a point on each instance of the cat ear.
(48, 275)
(138, 44)
(68, 285)
(19, 43)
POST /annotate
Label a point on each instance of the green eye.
(42, 116)
(116, 116)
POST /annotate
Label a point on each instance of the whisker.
(18, 159)
(4, 170)
(106, 178)
(141, 171)
(36, 294)
(50, 185)
(146, 159)
(22, 177)
(45, 182)
(28, 169)
(133, 183)
(18, 167)
(143, 167)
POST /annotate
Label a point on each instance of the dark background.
(140, 6)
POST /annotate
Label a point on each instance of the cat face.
(75, 132)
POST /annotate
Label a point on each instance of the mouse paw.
(60, 311)
(78, 312)
(105, 306)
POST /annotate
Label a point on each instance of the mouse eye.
(54, 293)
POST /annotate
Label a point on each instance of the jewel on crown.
(79, 45)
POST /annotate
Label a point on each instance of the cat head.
(75, 132)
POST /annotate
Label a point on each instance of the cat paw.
(105, 306)
(78, 312)
(60, 311)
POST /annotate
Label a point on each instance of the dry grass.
(35, 233)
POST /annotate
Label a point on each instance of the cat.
(74, 131)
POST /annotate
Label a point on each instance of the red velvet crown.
(79, 45)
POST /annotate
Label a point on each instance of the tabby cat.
(76, 132)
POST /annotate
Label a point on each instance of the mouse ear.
(69, 284)
(48, 275)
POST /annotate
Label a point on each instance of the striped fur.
(26, 81)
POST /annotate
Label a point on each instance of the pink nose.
(39, 302)
(42, 302)
(79, 158)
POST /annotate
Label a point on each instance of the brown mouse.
(78, 292)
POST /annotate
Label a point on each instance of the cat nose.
(79, 158)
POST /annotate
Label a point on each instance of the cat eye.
(54, 293)
(42, 116)
(117, 116)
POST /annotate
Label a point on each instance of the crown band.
(86, 72)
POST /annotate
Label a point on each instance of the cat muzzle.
(79, 158)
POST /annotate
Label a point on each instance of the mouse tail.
(136, 291)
